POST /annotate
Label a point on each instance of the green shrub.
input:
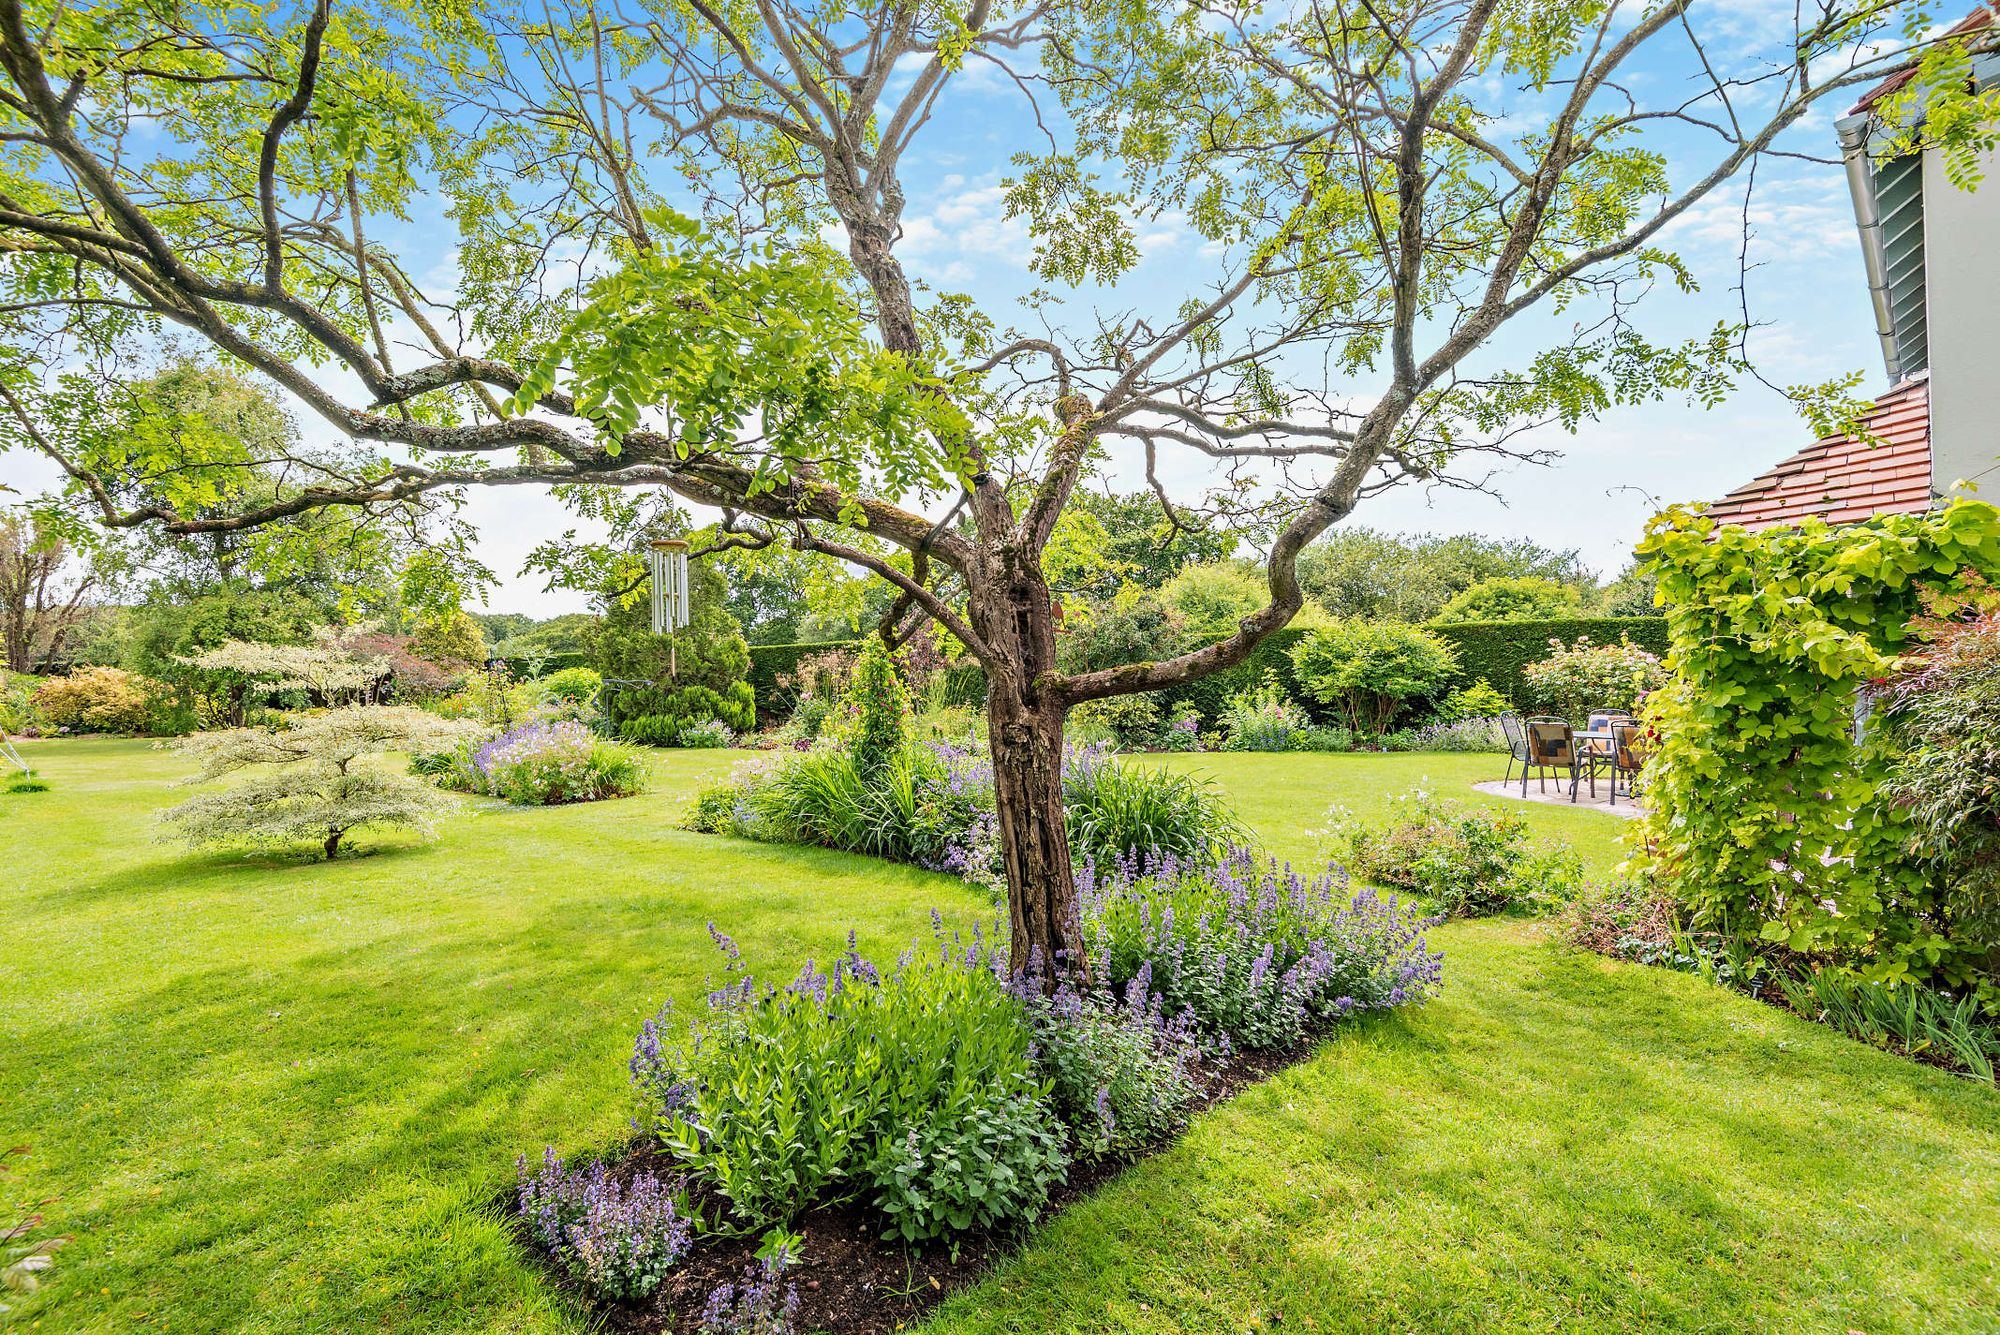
(1910, 1018)
(1372, 670)
(1127, 721)
(578, 685)
(1468, 861)
(686, 713)
(101, 699)
(1264, 719)
(1765, 817)
(1478, 700)
(549, 764)
(913, 1091)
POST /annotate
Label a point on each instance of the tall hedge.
(1498, 650)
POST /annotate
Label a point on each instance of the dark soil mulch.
(850, 1280)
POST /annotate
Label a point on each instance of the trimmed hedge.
(1498, 650)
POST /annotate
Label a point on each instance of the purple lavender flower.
(619, 1240)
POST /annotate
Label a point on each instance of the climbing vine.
(1768, 817)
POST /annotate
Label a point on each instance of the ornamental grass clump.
(913, 1091)
(313, 781)
(1253, 954)
(616, 1239)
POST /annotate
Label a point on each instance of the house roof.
(1843, 480)
(1973, 22)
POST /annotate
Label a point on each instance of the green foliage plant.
(911, 1091)
(1372, 670)
(100, 699)
(1766, 816)
(1468, 861)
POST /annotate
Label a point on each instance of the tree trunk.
(333, 845)
(1010, 605)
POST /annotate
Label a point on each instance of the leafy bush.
(1512, 598)
(617, 1240)
(1577, 678)
(311, 783)
(546, 764)
(687, 712)
(26, 1253)
(1765, 816)
(1126, 721)
(578, 685)
(1264, 719)
(100, 699)
(1468, 861)
(1372, 670)
(914, 1091)
(1254, 954)
(1478, 700)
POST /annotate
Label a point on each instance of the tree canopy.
(680, 267)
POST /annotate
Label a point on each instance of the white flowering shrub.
(319, 785)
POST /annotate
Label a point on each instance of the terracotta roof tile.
(1973, 22)
(1843, 480)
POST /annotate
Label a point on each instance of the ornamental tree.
(680, 268)
(318, 786)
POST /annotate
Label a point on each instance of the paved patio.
(1558, 794)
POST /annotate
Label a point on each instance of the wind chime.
(668, 561)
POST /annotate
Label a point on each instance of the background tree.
(43, 593)
(1361, 572)
(1513, 598)
(1381, 191)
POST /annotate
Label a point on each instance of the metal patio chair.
(1551, 746)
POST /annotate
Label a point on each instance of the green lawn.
(281, 1096)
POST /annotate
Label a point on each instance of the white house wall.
(1962, 259)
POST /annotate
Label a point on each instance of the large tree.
(43, 593)
(1380, 190)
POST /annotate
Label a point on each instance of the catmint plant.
(617, 1240)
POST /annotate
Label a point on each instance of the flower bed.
(867, 1131)
(541, 763)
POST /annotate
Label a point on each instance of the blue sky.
(1806, 285)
